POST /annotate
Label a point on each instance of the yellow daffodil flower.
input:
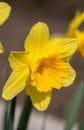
(4, 14)
(74, 32)
(43, 65)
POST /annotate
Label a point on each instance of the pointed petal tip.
(5, 97)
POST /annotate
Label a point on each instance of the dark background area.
(57, 14)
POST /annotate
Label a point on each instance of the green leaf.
(9, 108)
(7, 103)
(75, 106)
(25, 114)
(81, 125)
(10, 123)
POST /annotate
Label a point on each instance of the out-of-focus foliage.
(74, 107)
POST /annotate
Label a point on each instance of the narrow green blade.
(7, 105)
(77, 100)
(6, 115)
(10, 123)
(81, 125)
(25, 114)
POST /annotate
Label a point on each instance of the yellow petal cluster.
(4, 14)
(42, 66)
(74, 32)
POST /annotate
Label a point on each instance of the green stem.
(75, 107)
(25, 114)
(6, 115)
(10, 123)
(81, 125)
(7, 103)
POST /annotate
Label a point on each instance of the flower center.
(49, 73)
(47, 63)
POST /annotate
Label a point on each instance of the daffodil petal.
(70, 78)
(37, 37)
(40, 100)
(74, 25)
(80, 38)
(1, 48)
(15, 84)
(18, 60)
(4, 12)
(65, 47)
